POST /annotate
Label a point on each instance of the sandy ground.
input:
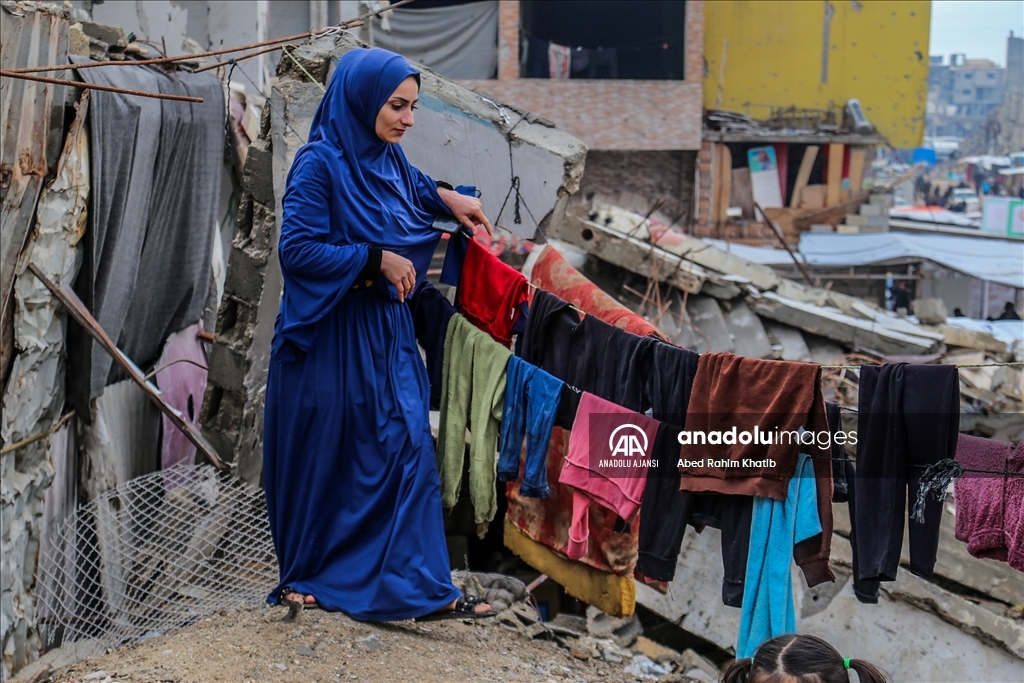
(253, 644)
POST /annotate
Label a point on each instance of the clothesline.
(855, 367)
(957, 365)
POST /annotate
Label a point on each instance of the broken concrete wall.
(460, 136)
(33, 121)
(653, 175)
(917, 631)
(34, 396)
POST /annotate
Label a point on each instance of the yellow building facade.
(815, 54)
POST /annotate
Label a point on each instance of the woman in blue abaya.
(348, 461)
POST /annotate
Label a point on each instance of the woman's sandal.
(464, 609)
(295, 607)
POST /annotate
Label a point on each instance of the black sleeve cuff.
(442, 184)
(371, 271)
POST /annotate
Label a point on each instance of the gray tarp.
(458, 42)
(156, 168)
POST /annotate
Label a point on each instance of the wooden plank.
(723, 182)
(741, 194)
(858, 159)
(832, 215)
(834, 179)
(610, 593)
(803, 175)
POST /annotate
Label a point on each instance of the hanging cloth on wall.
(559, 61)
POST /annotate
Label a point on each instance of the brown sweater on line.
(776, 396)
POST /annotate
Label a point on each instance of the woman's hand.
(399, 271)
(467, 210)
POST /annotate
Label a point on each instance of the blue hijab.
(348, 191)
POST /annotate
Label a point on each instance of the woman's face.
(395, 117)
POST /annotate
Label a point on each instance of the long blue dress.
(348, 462)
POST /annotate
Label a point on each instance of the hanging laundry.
(740, 394)
(182, 384)
(489, 291)
(553, 273)
(548, 330)
(908, 417)
(989, 506)
(559, 61)
(540, 520)
(536, 56)
(600, 469)
(472, 395)
(776, 528)
(840, 489)
(580, 59)
(531, 403)
(666, 508)
(431, 313)
(865, 591)
(611, 363)
(732, 516)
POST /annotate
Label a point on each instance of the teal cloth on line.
(776, 526)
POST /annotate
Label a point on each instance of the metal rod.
(36, 437)
(778, 233)
(83, 317)
(93, 86)
(211, 53)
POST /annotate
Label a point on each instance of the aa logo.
(628, 440)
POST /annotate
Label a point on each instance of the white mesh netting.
(153, 555)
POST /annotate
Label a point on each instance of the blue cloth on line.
(458, 244)
(531, 403)
(350, 474)
(776, 526)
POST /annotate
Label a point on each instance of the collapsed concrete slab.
(917, 631)
(460, 136)
(624, 239)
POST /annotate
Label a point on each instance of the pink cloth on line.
(989, 506)
(1015, 510)
(182, 385)
(597, 430)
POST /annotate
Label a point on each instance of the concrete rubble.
(452, 122)
(34, 396)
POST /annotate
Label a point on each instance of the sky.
(976, 27)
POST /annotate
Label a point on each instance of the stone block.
(258, 176)
(113, 36)
(78, 42)
(931, 311)
(873, 210)
(227, 368)
(868, 221)
(883, 200)
(748, 334)
(847, 229)
(244, 277)
(822, 227)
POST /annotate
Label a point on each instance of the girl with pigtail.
(793, 658)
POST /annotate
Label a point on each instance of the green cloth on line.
(473, 396)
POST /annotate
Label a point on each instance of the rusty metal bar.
(211, 53)
(83, 317)
(92, 86)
